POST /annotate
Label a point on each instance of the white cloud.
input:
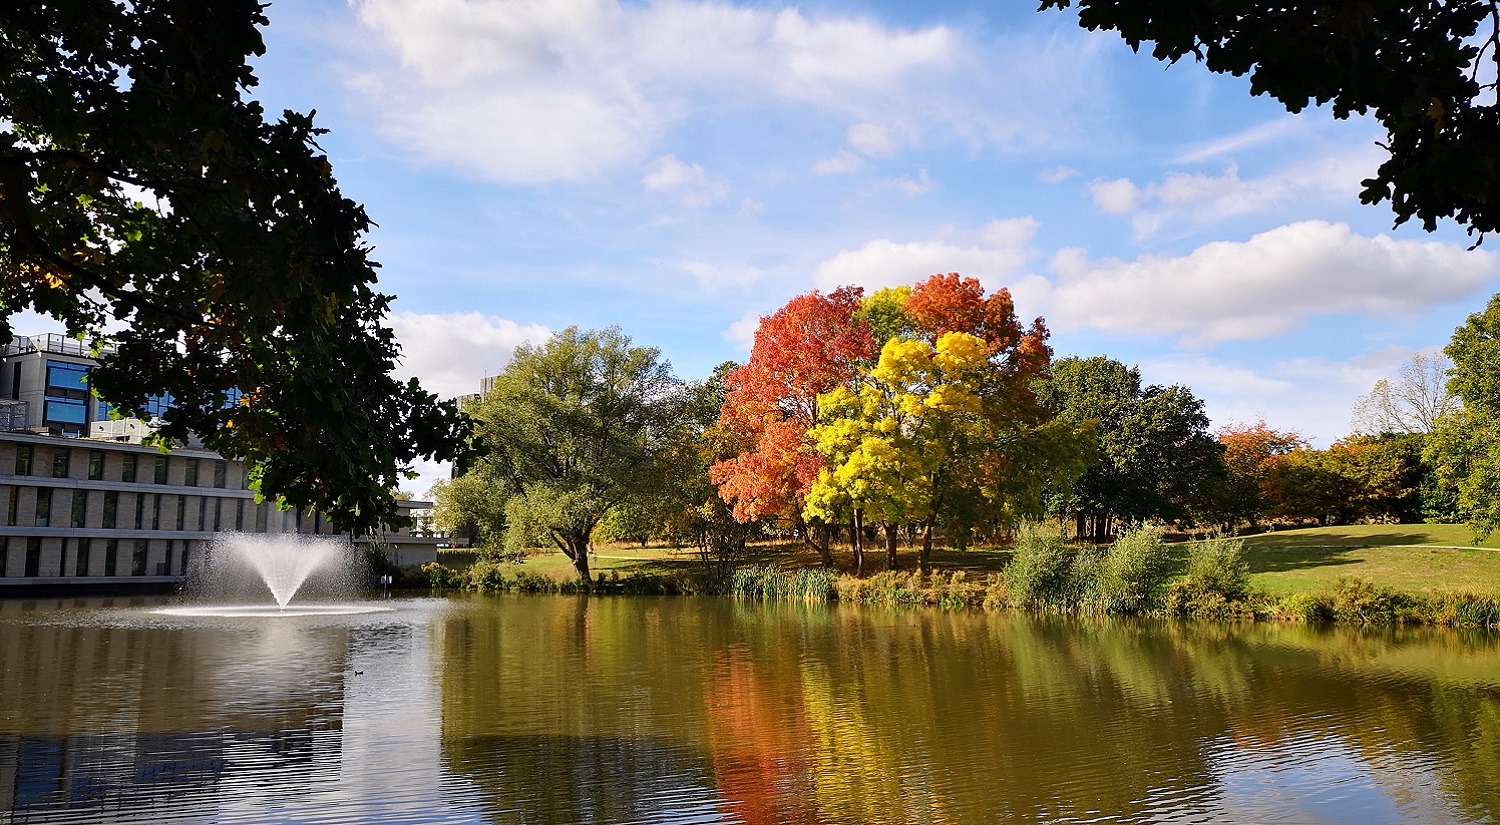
(686, 180)
(840, 164)
(1056, 174)
(1116, 197)
(1312, 395)
(713, 276)
(992, 254)
(742, 332)
(537, 90)
(1245, 139)
(450, 353)
(1200, 199)
(1265, 286)
(912, 187)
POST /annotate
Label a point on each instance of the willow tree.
(572, 429)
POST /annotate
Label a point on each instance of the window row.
(126, 467)
(25, 556)
(112, 509)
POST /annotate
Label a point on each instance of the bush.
(1129, 577)
(1305, 607)
(1464, 610)
(1360, 601)
(1040, 573)
(1217, 566)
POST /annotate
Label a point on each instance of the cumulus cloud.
(912, 187)
(1268, 285)
(537, 90)
(449, 353)
(715, 276)
(841, 163)
(742, 332)
(1197, 199)
(687, 181)
(1056, 174)
(992, 254)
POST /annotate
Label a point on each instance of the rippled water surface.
(560, 710)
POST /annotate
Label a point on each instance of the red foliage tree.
(809, 346)
(1251, 452)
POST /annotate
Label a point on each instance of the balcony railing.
(55, 343)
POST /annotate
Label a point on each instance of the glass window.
(221, 469)
(161, 470)
(182, 512)
(112, 557)
(202, 512)
(111, 508)
(81, 564)
(138, 560)
(65, 376)
(62, 457)
(239, 515)
(190, 473)
(140, 510)
(10, 511)
(127, 467)
(260, 516)
(23, 459)
(80, 507)
(43, 506)
(96, 465)
(157, 405)
(64, 411)
(33, 557)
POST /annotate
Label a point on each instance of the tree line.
(930, 413)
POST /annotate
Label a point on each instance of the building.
(83, 502)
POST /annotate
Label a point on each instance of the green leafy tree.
(1158, 460)
(1464, 449)
(471, 506)
(572, 429)
(141, 190)
(1418, 67)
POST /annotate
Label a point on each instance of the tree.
(1417, 66)
(1158, 460)
(1360, 477)
(1250, 452)
(140, 189)
(472, 506)
(811, 345)
(1465, 447)
(572, 429)
(1417, 400)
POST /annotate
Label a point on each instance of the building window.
(23, 459)
(221, 469)
(140, 510)
(182, 512)
(96, 465)
(62, 457)
(81, 563)
(218, 513)
(190, 473)
(80, 507)
(138, 559)
(111, 508)
(43, 506)
(202, 512)
(260, 516)
(67, 379)
(65, 411)
(239, 515)
(4, 554)
(166, 568)
(161, 470)
(33, 557)
(10, 511)
(112, 557)
(127, 466)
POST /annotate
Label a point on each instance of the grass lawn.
(1416, 558)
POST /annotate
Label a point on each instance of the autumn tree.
(945, 418)
(1158, 460)
(1425, 71)
(148, 203)
(1414, 403)
(573, 429)
(1250, 452)
(809, 346)
(1358, 478)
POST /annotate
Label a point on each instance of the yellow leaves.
(960, 352)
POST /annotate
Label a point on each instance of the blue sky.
(680, 168)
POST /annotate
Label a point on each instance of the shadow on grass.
(1269, 553)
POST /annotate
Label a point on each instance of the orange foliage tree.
(1250, 455)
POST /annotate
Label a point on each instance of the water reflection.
(555, 709)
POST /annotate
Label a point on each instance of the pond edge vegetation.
(1140, 574)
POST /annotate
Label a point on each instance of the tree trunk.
(856, 537)
(577, 550)
(924, 560)
(819, 536)
(890, 545)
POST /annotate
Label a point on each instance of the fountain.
(243, 566)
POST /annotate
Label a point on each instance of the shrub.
(1360, 601)
(1129, 577)
(1305, 607)
(1217, 566)
(1464, 610)
(1040, 573)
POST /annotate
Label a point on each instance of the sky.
(682, 168)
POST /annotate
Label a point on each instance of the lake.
(553, 709)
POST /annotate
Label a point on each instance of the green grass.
(1412, 558)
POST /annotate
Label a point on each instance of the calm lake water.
(609, 710)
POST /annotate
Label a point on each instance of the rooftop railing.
(52, 342)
